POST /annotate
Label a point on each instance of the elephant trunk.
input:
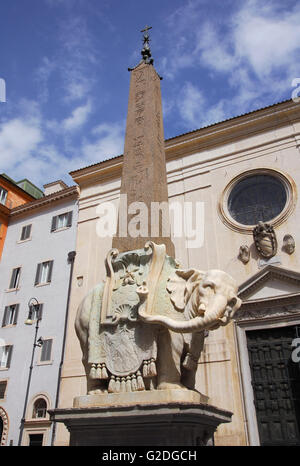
(186, 326)
(214, 317)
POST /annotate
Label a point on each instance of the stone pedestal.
(158, 418)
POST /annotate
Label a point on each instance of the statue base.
(153, 418)
(145, 397)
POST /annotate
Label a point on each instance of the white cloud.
(190, 104)
(71, 62)
(211, 51)
(18, 140)
(254, 50)
(78, 117)
(25, 150)
(194, 108)
(258, 35)
(268, 40)
(42, 76)
(109, 142)
(76, 56)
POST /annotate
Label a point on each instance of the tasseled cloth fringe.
(98, 371)
(130, 383)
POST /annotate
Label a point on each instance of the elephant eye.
(209, 285)
(232, 302)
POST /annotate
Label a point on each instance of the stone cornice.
(240, 126)
(281, 300)
(186, 144)
(270, 307)
(37, 423)
(58, 196)
(279, 307)
(269, 272)
(111, 168)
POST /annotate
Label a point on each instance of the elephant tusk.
(143, 292)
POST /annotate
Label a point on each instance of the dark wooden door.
(276, 384)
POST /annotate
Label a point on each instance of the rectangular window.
(5, 356)
(43, 273)
(15, 278)
(3, 195)
(25, 234)
(3, 385)
(62, 221)
(36, 311)
(10, 315)
(46, 350)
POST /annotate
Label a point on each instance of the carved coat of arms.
(265, 239)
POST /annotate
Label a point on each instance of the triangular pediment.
(270, 282)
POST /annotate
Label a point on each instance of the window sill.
(8, 325)
(60, 229)
(44, 363)
(23, 240)
(4, 368)
(10, 290)
(37, 425)
(42, 284)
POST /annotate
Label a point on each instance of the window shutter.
(10, 350)
(4, 320)
(69, 222)
(2, 389)
(40, 312)
(16, 314)
(27, 231)
(23, 234)
(17, 277)
(50, 271)
(38, 274)
(54, 223)
(46, 350)
(13, 278)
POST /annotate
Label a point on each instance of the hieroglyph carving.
(144, 328)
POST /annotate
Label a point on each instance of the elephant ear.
(181, 285)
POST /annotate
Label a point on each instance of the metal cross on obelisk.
(144, 178)
(146, 29)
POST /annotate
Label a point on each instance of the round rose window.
(258, 197)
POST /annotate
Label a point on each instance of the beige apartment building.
(241, 171)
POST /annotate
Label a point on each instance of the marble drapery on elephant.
(144, 328)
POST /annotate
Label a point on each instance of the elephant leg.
(170, 347)
(194, 347)
(95, 387)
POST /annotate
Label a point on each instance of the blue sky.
(65, 67)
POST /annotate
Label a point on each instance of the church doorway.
(276, 384)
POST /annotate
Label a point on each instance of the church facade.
(232, 175)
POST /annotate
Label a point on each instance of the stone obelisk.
(144, 178)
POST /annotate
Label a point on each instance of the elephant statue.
(144, 328)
